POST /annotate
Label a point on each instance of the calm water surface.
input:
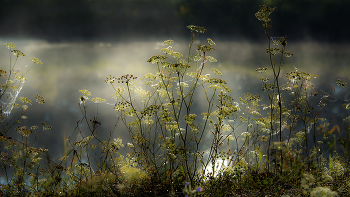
(70, 67)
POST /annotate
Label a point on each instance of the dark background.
(65, 20)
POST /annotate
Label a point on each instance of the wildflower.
(18, 53)
(341, 83)
(183, 84)
(176, 55)
(196, 28)
(147, 119)
(10, 45)
(253, 154)
(36, 60)
(230, 137)
(210, 41)
(156, 59)
(265, 130)
(211, 59)
(85, 92)
(190, 118)
(83, 99)
(243, 119)
(260, 70)
(118, 142)
(264, 138)
(226, 128)
(64, 158)
(199, 189)
(347, 119)
(236, 106)
(216, 71)
(217, 81)
(168, 42)
(39, 99)
(108, 146)
(24, 131)
(162, 92)
(264, 79)
(167, 50)
(130, 145)
(205, 78)
(260, 123)
(255, 113)
(98, 100)
(24, 100)
(245, 134)
(46, 126)
(2, 73)
(299, 137)
(193, 74)
(110, 79)
(25, 107)
(141, 92)
(84, 141)
(265, 107)
(287, 54)
(347, 106)
(215, 87)
(205, 48)
(264, 13)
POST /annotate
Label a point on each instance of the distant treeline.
(88, 19)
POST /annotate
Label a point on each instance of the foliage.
(275, 145)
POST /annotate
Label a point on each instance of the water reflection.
(69, 67)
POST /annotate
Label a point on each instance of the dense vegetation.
(277, 154)
(114, 19)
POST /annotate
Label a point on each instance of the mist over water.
(70, 67)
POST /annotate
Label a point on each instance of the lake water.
(70, 67)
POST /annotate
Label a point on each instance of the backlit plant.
(20, 161)
(256, 148)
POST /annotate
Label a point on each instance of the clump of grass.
(256, 148)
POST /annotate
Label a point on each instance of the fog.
(71, 66)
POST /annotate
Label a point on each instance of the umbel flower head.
(264, 13)
(197, 28)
